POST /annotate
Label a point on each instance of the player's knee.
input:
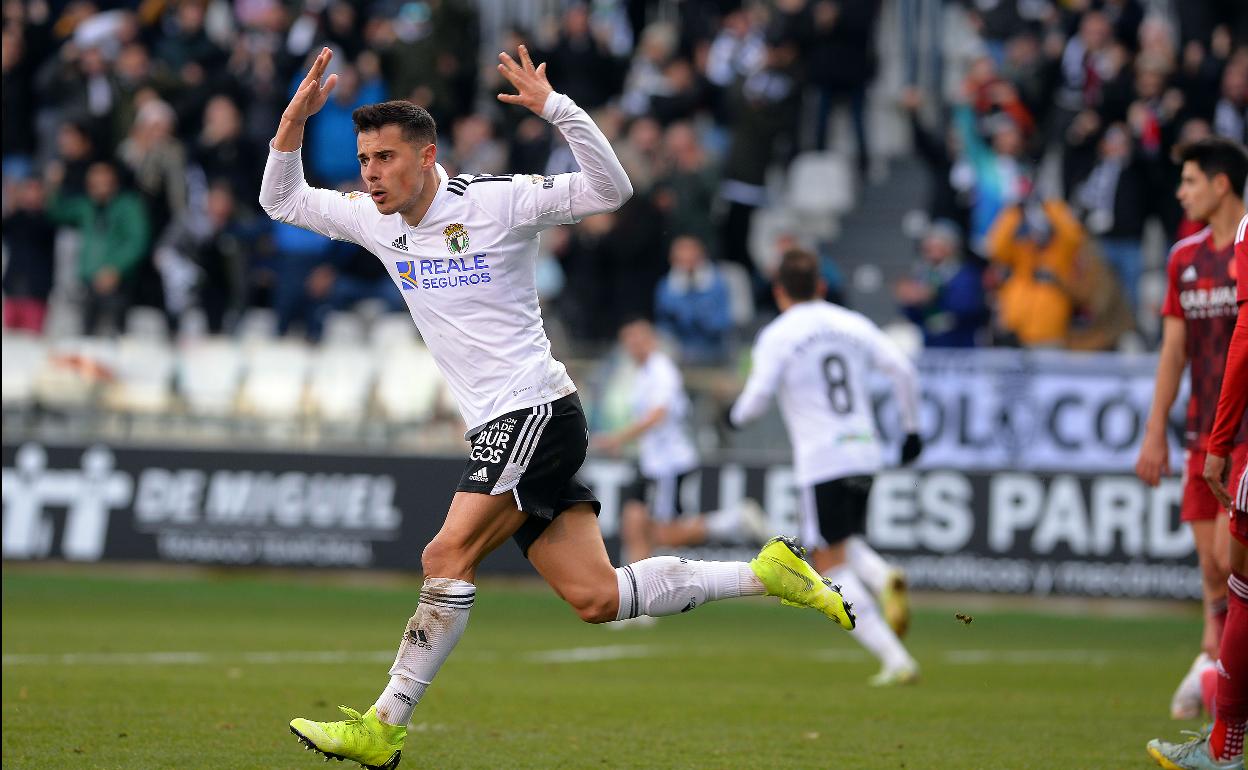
(595, 605)
(442, 559)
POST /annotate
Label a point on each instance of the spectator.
(764, 109)
(28, 274)
(692, 304)
(157, 161)
(943, 295)
(203, 264)
(19, 134)
(75, 154)
(1230, 117)
(686, 191)
(1036, 243)
(333, 128)
(115, 232)
(1113, 208)
(939, 151)
(992, 176)
(474, 150)
(224, 154)
(351, 276)
(589, 74)
(841, 63)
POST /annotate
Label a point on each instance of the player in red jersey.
(1224, 744)
(1199, 318)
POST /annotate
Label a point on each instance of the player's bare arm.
(307, 101)
(1154, 459)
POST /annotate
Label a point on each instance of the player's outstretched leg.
(571, 556)
(886, 581)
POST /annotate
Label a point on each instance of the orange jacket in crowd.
(1033, 302)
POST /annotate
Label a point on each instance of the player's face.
(392, 168)
(1197, 193)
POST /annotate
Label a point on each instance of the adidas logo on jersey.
(481, 475)
(400, 242)
(1189, 274)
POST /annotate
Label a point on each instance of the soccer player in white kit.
(815, 359)
(652, 514)
(463, 252)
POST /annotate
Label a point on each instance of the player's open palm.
(312, 94)
(529, 81)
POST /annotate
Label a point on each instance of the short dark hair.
(415, 121)
(799, 274)
(1216, 155)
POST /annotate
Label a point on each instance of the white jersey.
(816, 358)
(468, 270)
(666, 449)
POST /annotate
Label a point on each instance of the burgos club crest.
(456, 238)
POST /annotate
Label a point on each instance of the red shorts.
(1199, 504)
(1239, 506)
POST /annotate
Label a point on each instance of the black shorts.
(661, 495)
(533, 454)
(834, 510)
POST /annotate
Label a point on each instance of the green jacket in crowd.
(114, 235)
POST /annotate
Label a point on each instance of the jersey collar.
(437, 198)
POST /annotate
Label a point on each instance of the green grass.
(743, 684)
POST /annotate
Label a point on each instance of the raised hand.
(529, 81)
(311, 96)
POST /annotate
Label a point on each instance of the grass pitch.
(110, 670)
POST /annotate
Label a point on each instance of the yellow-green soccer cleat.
(361, 738)
(1190, 755)
(785, 574)
(895, 603)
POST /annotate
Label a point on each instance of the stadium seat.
(24, 355)
(146, 323)
(274, 383)
(766, 226)
(257, 323)
(408, 384)
(341, 383)
(143, 376)
(820, 184)
(210, 370)
(343, 329)
(76, 368)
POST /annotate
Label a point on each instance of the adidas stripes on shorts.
(532, 454)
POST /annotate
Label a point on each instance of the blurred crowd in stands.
(135, 134)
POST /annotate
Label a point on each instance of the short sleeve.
(1171, 306)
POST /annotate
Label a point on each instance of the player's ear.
(821, 289)
(429, 155)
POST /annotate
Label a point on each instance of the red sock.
(1209, 689)
(1227, 739)
(1217, 617)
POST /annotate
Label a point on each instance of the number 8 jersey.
(816, 359)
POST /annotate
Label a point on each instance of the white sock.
(871, 631)
(723, 524)
(867, 564)
(667, 585)
(428, 639)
